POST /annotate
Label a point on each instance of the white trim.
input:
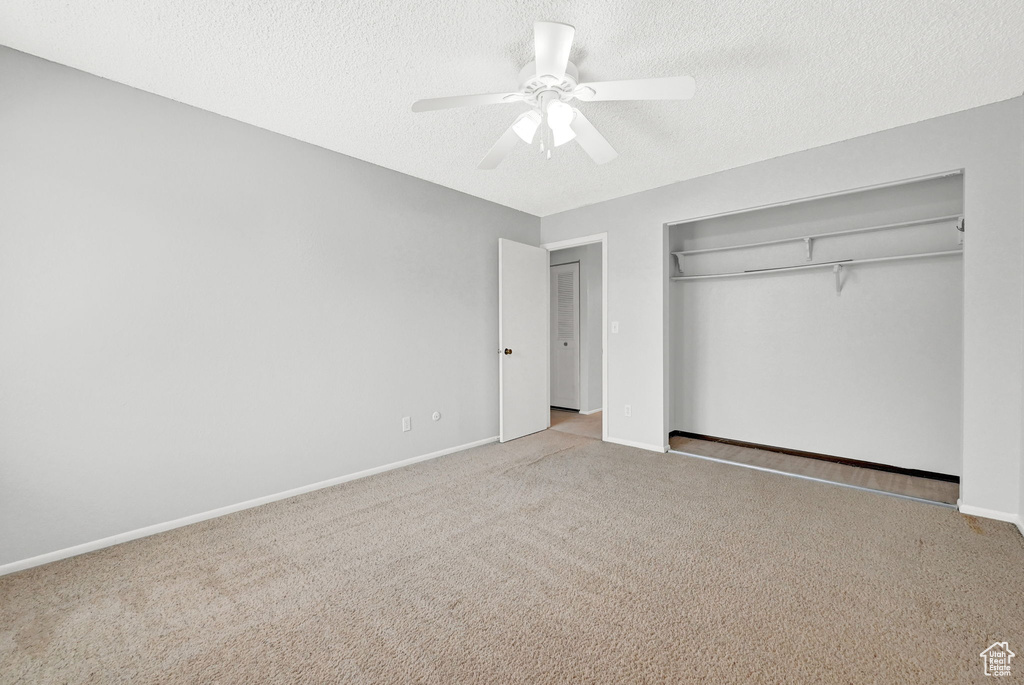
(223, 511)
(592, 411)
(588, 240)
(501, 377)
(575, 242)
(990, 514)
(641, 445)
(604, 331)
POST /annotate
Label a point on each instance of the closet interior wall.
(872, 373)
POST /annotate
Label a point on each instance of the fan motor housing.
(532, 85)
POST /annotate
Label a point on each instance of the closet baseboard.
(824, 457)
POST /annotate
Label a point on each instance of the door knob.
(508, 350)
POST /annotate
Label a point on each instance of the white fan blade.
(552, 42)
(668, 88)
(465, 101)
(501, 148)
(591, 140)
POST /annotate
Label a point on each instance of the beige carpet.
(584, 425)
(552, 558)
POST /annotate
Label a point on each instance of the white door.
(565, 336)
(523, 338)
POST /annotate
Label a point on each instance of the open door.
(523, 338)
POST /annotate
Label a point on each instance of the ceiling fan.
(548, 84)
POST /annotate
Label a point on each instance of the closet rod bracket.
(837, 269)
(808, 245)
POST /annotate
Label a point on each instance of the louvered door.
(565, 336)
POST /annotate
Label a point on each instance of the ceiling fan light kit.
(526, 125)
(560, 115)
(560, 136)
(547, 85)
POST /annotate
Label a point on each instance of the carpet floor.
(584, 425)
(553, 558)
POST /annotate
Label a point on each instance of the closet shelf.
(808, 238)
(835, 266)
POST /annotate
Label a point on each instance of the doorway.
(565, 335)
(577, 336)
(524, 338)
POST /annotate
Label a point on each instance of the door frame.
(601, 238)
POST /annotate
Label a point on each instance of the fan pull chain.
(546, 140)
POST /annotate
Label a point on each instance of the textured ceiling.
(772, 78)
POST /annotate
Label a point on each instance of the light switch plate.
(615, 326)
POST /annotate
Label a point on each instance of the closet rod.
(902, 224)
(822, 265)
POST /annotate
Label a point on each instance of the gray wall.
(874, 373)
(195, 312)
(589, 257)
(986, 142)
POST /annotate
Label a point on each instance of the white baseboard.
(641, 445)
(991, 514)
(223, 511)
(592, 411)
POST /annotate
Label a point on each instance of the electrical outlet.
(406, 424)
(629, 410)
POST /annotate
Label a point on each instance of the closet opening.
(823, 338)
